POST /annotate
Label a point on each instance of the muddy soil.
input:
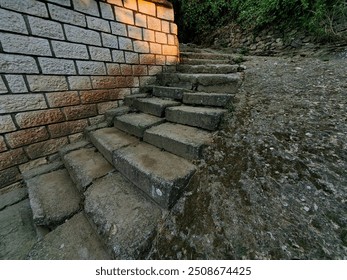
(274, 183)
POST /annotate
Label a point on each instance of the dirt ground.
(274, 183)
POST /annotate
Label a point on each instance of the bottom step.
(161, 175)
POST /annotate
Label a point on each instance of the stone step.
(109, 139)
(154, 105)
(210, 55)
(136, 123)
(161, 175)
(168, 92)
(202, 117)
(53, 197)
(191, 61)
(207, 99)
(220, 83)
(209, 68)
(124, 218)
(73, 240)
(85, 166)
(181, 140)
(129, 100)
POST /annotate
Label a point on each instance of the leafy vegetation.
(197, 18)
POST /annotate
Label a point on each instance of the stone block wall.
(63, 63)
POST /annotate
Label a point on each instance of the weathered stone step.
(191, 61)
(136, 123)
(168, 92)
(154, 105)
(85, 166)
(53, 197)
(109, 139)
(161, 175)
(181, 140)
(206, 118)
(208, 55)
(125, 219)
(207, 98)
(129, 100)
(220, 83)
(209, 68)
(73, 240)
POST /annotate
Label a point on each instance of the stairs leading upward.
(124, 178)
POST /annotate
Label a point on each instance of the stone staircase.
(106, 195)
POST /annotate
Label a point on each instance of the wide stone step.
(220, 83)
(194, 61)
(136, 123)
(125, 219)
(206, 118)
(168, 92)
(209, 68)
(161, 175)
(85, 166)
(207, 98)
(109, 139)
(209, 55)
(73, 240)
(182, 140)
(53, 197)
(154, 105)
(129, 100)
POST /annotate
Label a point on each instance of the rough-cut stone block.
(3, 146)
(98, 24)
(161, 38)
(66, 15)
(154, 106)
(9, 176)
(33, 164)
(173, 28)
(118, 56)
(36, 118)
(70, 50)
(105, 106)
(154, 23)
(130, 4)
(131, 58)
(21, 102)
(181, 140)
(94, 96)
(3, 88)
(17, 232)
(85, 166)
(46, 28)
(109, 41)
(168, 92)
(111, 114)
(89, 7)
(170, 50)
(139, 70)
(67, 128)
(59, 99)
(15, 194)
(207, 99)
(81, 35)
(79, 82)
(6, 124)
(47, 83)
(80, 111)
(57, 66)
(161, 175)
(147, 59)
(115, 2)
(206, 118)
(66, 3)
(91, 68)
(11, 21)
(45, 148)
(165, 13)
(42, 169)
(119, 29)
(141, 47)
(79, 239)
(26, 136)
(141, 20)
(101, 54)
(165, 26)
(171, 39)
(148, 35)
(73, 147)
(53, 198)
(16, 83)
(24, 44)
(125, 44)
(109, 139)
(107, 202)
(31, 7)
(106, 11)
(154, 70)
(135, 32)
(146, 7)
(101, 82)
(12, 157)
(124, 15)
(136, 124)
(16, 64)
